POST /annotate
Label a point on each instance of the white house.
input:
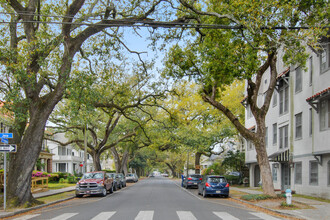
(67, 158)
(298, 127)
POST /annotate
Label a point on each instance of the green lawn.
(56, 197)
(59, 185)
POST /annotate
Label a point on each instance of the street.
(156, 198)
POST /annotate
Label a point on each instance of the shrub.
(61, 180)
(233, 179)
(36, 173)
(71, 179)
(256, 197)
(54, 178)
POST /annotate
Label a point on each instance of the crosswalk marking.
(103, 216)
(148, 215)
(64, 216)
(183, 215)
(145, 215)
(263, 216)
(225, 216)
(26, 217)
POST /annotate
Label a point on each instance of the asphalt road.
(155, 198)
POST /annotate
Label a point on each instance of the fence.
(37, 183)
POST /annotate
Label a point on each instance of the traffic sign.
(8, 148)
(6, 135)
(4, 140)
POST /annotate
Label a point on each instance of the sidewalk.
(4, 214)
(319, 210)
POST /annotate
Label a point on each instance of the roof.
(283, 73)
(319, 94)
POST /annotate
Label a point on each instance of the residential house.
(67, 158)
(297, 127)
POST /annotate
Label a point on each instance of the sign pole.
(5, 180)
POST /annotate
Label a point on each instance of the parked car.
(116, 181)
(131, 177)
(122, 179)
(94, 183)
(213, 185)
(192, 180)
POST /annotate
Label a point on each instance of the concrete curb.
(269, 209)
(10, 214)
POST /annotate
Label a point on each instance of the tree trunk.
(172, 168)
(265, 171)
(124, 162)
(197, 162)
(22, 163)
(96, 161)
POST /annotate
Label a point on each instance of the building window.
(298, 80)
(61, 150)
(325, 114)
(313, 173)
(250, 145)
(274, 172)
(284, 99)
(249, 113)
(284, 136)
(61, 167)
(310, 122)
(298, 173)
(310, 71)
(325, 58)
(298, 126)
(274, 98)
(274, 133)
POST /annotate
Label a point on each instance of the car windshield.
(93, 176)
(195, 176)
(130, 174)
(112, 175)
(216, 180)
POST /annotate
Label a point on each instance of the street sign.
(4, 140)
(6, 135)
(8, 148)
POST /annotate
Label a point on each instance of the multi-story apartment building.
(67, 158)
(298, 127)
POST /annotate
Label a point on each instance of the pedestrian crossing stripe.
(148, 215)
(145, 215)
(103, 216)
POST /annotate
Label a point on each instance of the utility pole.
(85, 151)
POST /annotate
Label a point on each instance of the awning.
(280, 156)
(314, 100)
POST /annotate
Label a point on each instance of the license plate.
(218, 191)
(195, 183)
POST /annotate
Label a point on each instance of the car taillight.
(227, 185)
(189, 178)
(200, 178)
(207, 185)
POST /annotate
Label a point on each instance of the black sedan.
(192, 180)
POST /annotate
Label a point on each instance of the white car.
(132, 177)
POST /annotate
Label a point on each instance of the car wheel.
(115, 187)
(79, 196)
(204, 193)
(104, 192)
(226, 196)
(120, 186)
(111, 189)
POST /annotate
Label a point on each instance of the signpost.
(4, 148)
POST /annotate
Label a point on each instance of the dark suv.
(116, 181)
(94, 183)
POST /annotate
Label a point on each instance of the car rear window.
(196, 176)
(216, 180)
